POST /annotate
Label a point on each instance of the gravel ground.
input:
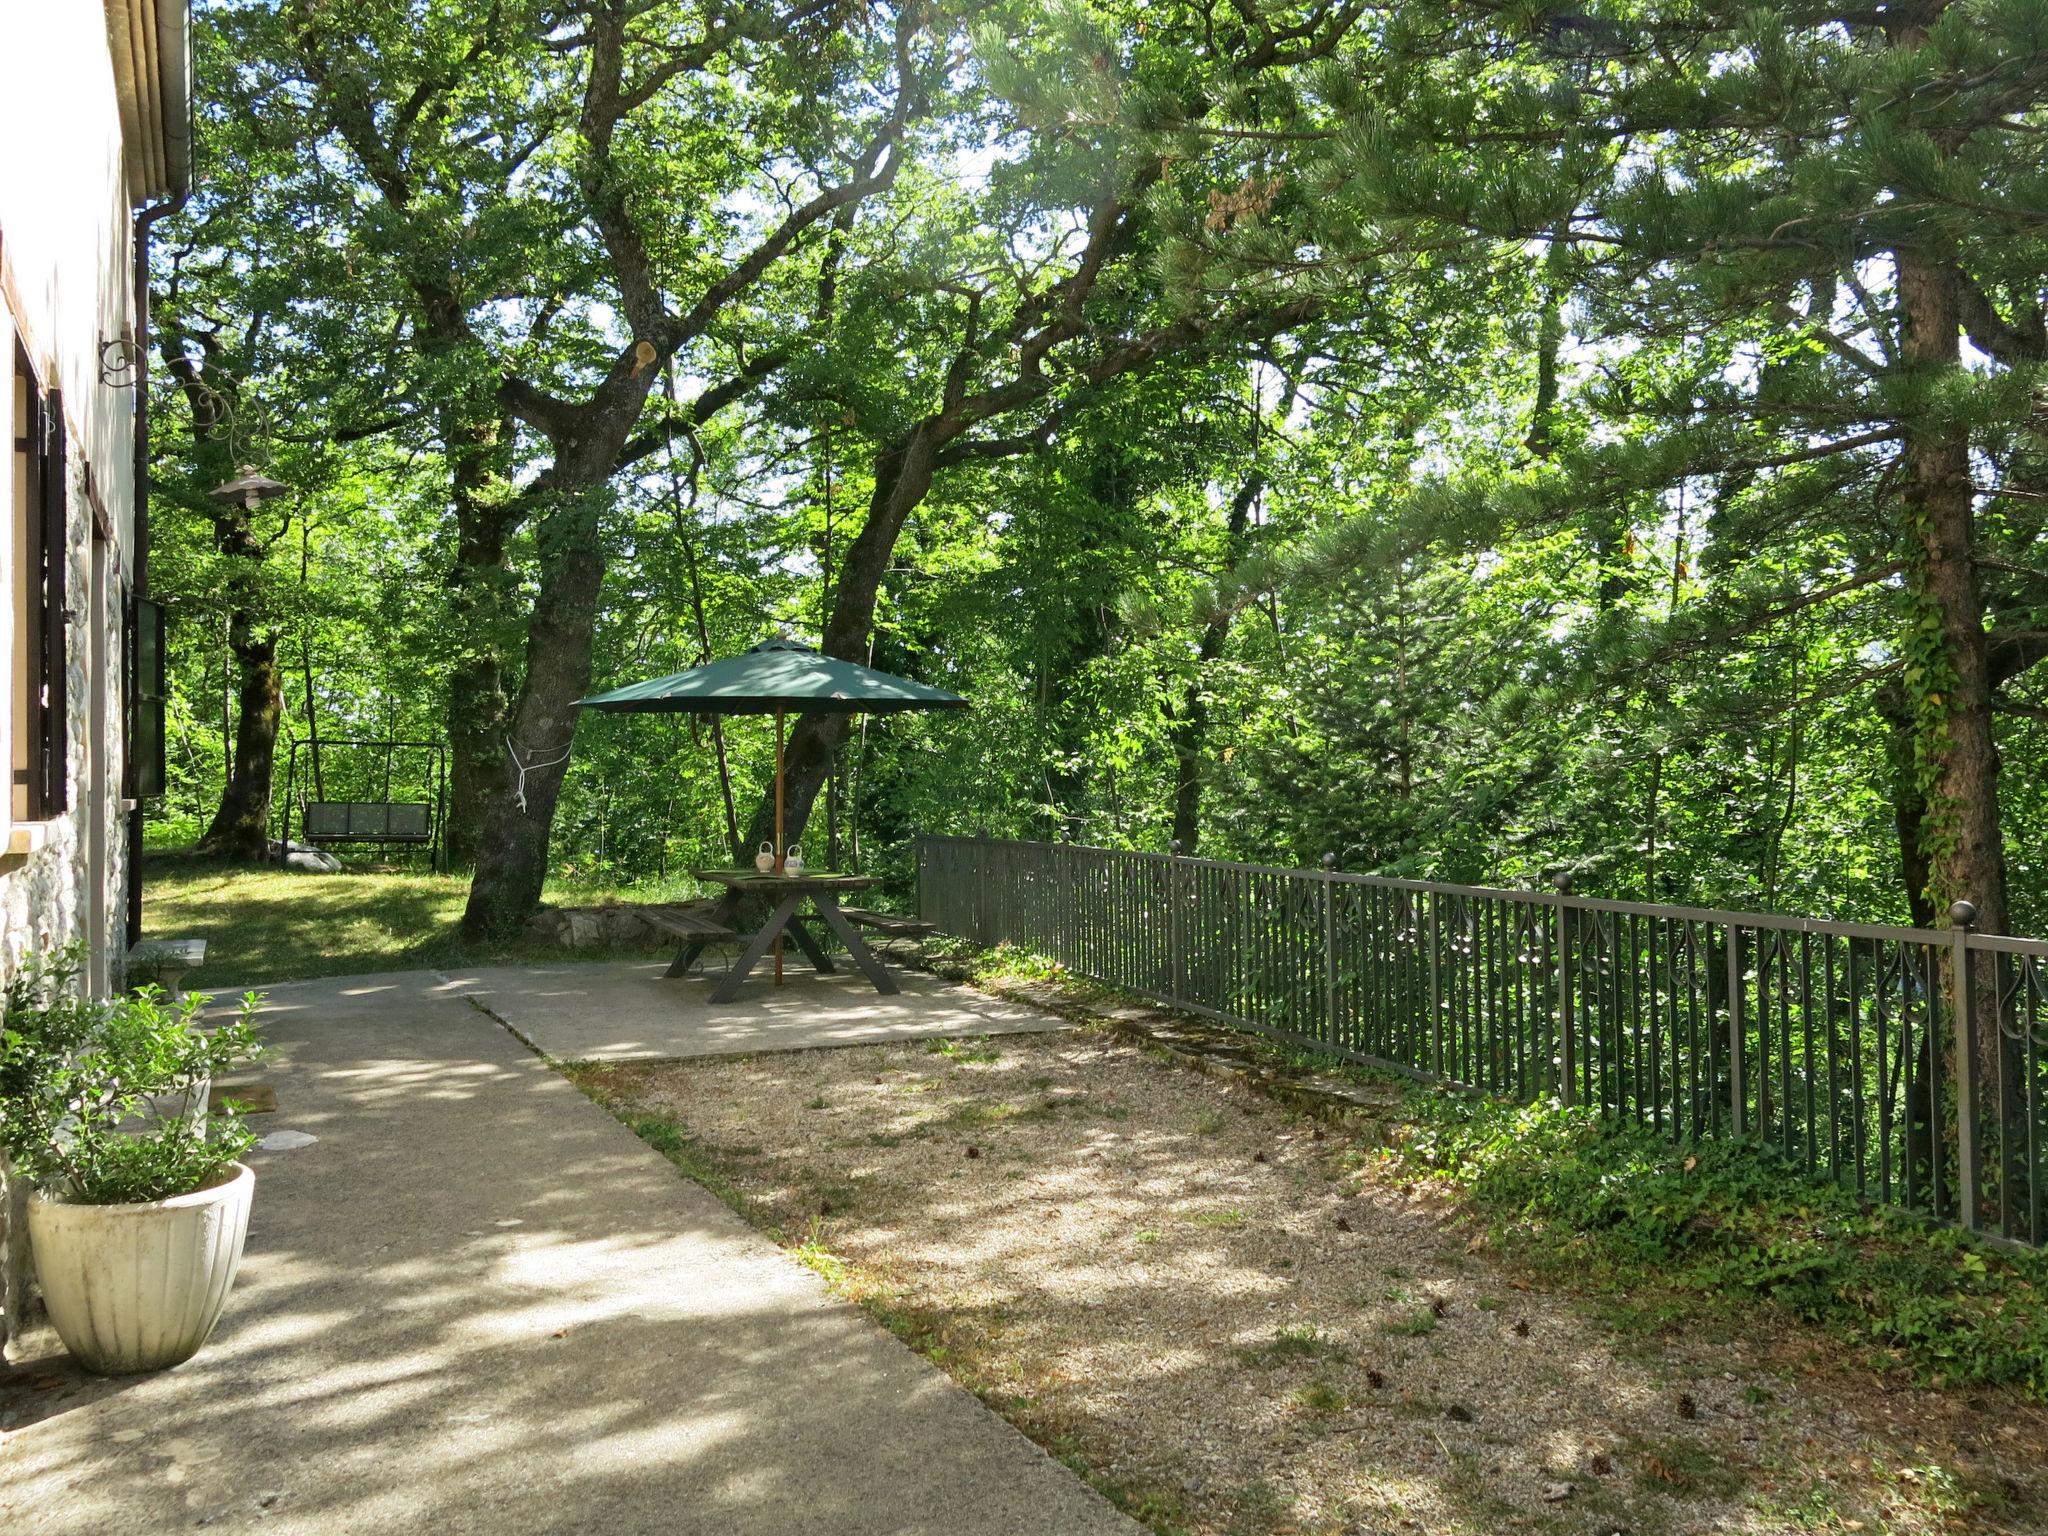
(1245, 1322)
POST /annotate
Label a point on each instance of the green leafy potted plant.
(139, 1203)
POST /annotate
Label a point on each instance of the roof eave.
(151, 45)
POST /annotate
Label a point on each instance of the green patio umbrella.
(777, 677)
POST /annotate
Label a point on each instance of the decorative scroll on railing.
(1838, 1043)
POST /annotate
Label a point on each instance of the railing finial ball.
(1563, 881)
(1962, 913)
(1329, 861)
(1173, 847)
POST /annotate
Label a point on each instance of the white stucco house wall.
(95, 144)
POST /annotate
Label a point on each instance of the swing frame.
(370, 821)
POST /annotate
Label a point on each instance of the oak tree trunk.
(477, 709)
(512, 854)
(240, 828)
(482, 590)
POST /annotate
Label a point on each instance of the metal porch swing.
(375, 818)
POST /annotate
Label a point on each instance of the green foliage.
(1619, 1206)
(103, 1101)
(998, 963)
(1564, 530)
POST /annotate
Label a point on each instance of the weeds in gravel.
(1292, 1345)
(997, 964)
(1322, 1399)
(1930, 1493)
(1157, 1511)
(1622, 1211)
(971, 1052)
(977, 1115)
(1932, 1490)
(1413, 1327)
(1811, 1508)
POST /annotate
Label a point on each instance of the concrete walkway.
(478, 1304)
(579, 1011)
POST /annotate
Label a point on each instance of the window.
(42, 560)
(145, 697)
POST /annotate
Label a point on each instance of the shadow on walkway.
(476, 1303)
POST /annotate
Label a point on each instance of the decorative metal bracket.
(118, 361)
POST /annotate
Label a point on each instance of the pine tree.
(1781, 225)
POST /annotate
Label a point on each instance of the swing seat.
(367, 821)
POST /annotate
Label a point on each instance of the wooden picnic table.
(789, 893)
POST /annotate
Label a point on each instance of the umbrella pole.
(781, 849)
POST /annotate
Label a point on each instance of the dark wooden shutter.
(146, 694)
(56, 672)
(32, 444)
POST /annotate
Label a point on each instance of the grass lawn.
(265, 925)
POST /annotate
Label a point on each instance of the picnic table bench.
(892, 924)
(687, 925)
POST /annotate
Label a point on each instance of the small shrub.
(1733, 1219)
(103, 1100)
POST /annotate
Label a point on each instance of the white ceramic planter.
(139, 1287)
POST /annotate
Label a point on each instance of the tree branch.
(1991, 333)
(701, 409)
(875, 172)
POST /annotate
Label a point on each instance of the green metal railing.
(1835, 1042)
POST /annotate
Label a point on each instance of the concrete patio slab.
(476, 1303)
(623, 1012)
